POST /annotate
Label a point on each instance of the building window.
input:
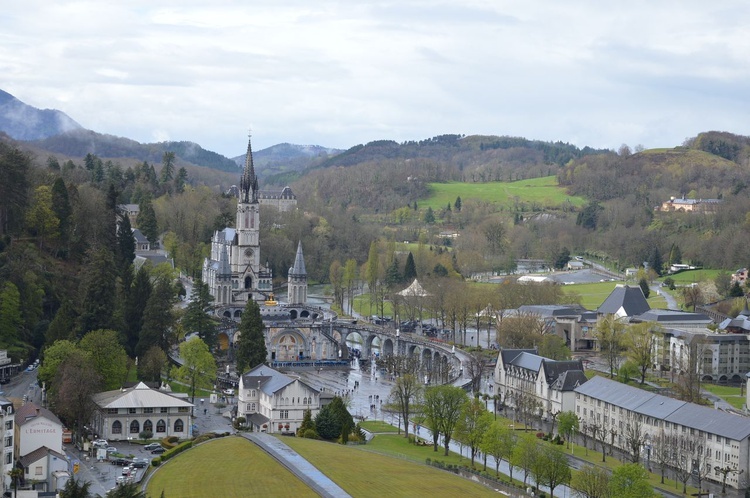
(163, 410)
(8, 458)
(131, 411)
(183, 409)
(111, 411)
(9, 425)
(135, 427)
(178, 425)
(38, 470)
(116, 427)
(8, 441)
(161, 426)
(148, 426)
(148, 410)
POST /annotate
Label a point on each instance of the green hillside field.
(543, 192)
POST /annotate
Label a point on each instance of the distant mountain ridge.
(55, 132)
(24, 122)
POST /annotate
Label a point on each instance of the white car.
(100, 443)
(111, 449)
(228, 392)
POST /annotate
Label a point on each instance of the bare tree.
(689, 367)
(634, 436)
(683, 460)
(610, 336)
(591, 482)
(701, 460)
(640, 344)
(597, 432)
(662, 450)
(475, 369)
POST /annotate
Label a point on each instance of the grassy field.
(593, 295)
(364, 473)
(735, 396)
(377, 426)
(231, 466)
(542, 192)
(694, 276)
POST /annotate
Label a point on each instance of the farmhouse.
(690, 205)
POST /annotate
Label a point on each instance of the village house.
(274, 402)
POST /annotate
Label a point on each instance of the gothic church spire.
(249, 182)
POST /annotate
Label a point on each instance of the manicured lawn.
(732, 395)
(593, 295)
(541, 192)
(230, 466)
(694, 276)
(364, 473)
(377, 426)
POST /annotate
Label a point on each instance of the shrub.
(428, 461)
(176, 450)
(540, 435)
(156, 461)
(146, 435)
(412, 439)
(310, 434)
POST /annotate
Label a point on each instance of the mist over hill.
(24, 122)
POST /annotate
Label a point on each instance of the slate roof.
(258, 419)
(528, 361)
(656, 315)
(30, 411)
(271, 381)
(140, 396)
(630, 298)
(551, 310)
(299, 262)
(668, 409)
(553, 369)
(508, 355)
(569, 380)
(38, 454)
(139, 237)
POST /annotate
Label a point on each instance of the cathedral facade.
(234, 273)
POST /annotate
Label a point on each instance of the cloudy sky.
(339, 73)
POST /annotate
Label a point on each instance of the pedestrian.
(205, 410)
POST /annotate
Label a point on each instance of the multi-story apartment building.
(521, 374)
(700, 439)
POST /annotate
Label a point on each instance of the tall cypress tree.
(138, 297)
(410, 269)
(251, 349)
(158, 318)
(196, 319)
(125, 248)
(98, 291)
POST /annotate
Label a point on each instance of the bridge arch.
(387, 347)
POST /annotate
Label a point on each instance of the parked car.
(123, 480)
(158, 451)
(111, 449)
(119, 461)
(140, 463)
(152, 446)
(229, 392)
(100, 443)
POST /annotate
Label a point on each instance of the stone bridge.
(312, 335)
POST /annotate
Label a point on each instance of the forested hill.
(78, 143)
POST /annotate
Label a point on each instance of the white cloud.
(341, 73)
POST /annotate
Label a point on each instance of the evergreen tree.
(63, 210)
(147, 220)
(344, 419)
(167, 167)
(655, 261)
(457, 204)
(125, 249)
(410, 270)
(196, 319)
(327, 424)
(135, 306)
(63, 325)
(251, 349)
(98, 291)
(589, 215)
(393, 274)
(158, 318)
(11, 320)
(180, 180)
(109, 230)
(14, 187)
(643, 284)
(429, 216)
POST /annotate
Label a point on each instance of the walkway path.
(300, 467)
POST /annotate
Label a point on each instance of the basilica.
(234, 272)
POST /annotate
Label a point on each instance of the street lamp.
(724, 471)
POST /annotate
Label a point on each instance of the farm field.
(541, 192)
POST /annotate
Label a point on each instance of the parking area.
(104, 475)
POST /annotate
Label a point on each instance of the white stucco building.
(123, 413)
(274, 402)
(36, 427)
